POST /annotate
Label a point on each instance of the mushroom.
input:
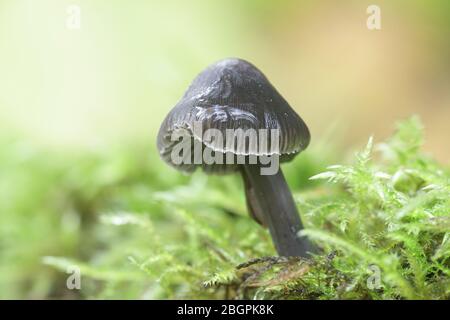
(233, 95)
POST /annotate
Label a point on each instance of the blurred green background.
(72, 100)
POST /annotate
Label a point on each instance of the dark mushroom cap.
(232, 94)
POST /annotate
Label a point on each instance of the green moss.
(138, 229)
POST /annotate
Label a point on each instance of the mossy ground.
(138, 229)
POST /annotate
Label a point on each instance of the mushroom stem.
(270, 202)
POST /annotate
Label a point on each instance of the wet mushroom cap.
(232, 94)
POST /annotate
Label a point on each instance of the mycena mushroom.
(234, 102)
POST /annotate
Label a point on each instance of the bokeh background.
(111, 82)
(115, 78)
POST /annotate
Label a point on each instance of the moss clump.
(138, 229)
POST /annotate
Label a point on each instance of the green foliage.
(138, 229)
(396, 216)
